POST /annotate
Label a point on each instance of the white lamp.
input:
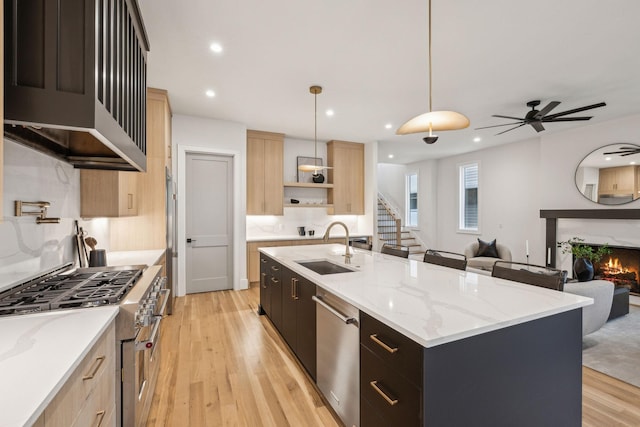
(433, 120)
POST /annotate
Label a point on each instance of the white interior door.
(209, 225)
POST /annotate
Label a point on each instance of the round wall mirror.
(610, 175)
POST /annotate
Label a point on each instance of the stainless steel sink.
(323, 267)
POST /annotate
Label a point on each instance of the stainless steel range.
(141, 295)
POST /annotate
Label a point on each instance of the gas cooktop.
(85, 287)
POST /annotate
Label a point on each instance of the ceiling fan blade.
(495, 126)
(537, 126)
(564, 119)
(507, 117)
(629, 153)
(550, 106)
(505, 131)
(576, 110)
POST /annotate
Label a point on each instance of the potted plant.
(585, 255)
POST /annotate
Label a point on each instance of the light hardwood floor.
(223, 365)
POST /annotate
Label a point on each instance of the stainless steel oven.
(139, 329)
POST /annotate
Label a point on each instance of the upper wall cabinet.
(347, 176)
(159, 125)
(108, 193)
(265, 191)
(75, 80)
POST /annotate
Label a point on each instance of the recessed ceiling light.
(391, 156)
(216, 47)
(632, 163)
(330, 112)
(607, 158)
(388, 126)
(210, 93)
(477, 139)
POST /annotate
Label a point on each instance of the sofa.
(481, 262)
(595, 315)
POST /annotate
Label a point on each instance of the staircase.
(390, 230)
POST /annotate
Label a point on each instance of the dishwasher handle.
(345, 319)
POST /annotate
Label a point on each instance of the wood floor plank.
(223, 365)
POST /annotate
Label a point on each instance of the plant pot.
(583, 269)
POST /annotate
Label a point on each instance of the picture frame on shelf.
(302, 160)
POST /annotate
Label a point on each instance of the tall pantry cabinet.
(147, 230)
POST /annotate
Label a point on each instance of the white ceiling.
(370, 56)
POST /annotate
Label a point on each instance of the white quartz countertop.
(38, 353)
(430, 304)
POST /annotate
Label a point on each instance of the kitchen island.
(491, 351)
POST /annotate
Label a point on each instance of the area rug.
(615, 348)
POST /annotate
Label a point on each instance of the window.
(468, 197)
(412, 200)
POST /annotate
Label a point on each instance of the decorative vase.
(318, 178)
(583, 269)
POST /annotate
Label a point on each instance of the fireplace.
(621, 266)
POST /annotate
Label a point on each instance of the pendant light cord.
(430, 56)
(315, 131)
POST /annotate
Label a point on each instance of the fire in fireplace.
(621, 266)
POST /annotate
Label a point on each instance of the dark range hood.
(75, 81)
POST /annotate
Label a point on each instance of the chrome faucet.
(347, 255)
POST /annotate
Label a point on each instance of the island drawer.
(397, 400)
(401, 353)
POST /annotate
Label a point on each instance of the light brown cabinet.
(265, 191)
(621, 180)
(88, 396)
(108, 193)
(347, 177)
(147, 230)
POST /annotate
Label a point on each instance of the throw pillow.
(487, 249)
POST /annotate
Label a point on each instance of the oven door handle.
(148, 344)
(165, 293)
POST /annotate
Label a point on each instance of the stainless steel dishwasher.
(338, 355)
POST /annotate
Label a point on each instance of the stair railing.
(392, 221)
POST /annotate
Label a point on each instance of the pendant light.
(315, 168)
(433, 120)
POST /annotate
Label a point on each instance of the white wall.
(508, 199)
(27, 248)
(201, 135)
(392, 187)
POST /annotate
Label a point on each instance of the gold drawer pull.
(389, 400)
(97, 364)
(275, 268)
(99, 417)
(375, 339)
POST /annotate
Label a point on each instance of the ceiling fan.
(625, 151)
(535, 118)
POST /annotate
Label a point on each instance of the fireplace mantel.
(552, 216)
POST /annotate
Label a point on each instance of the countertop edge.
(433, 342)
